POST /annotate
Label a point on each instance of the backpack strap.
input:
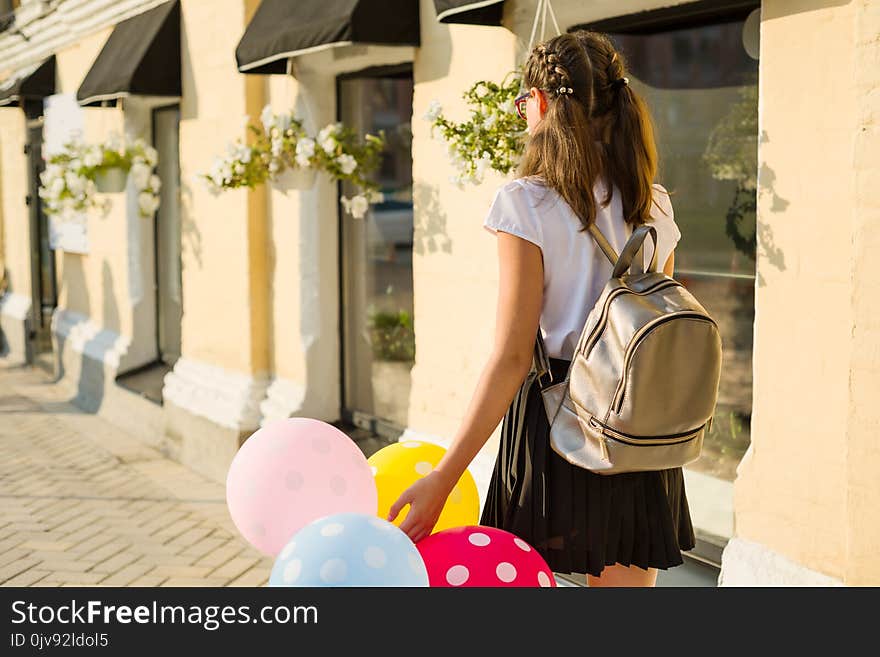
(621, 263)
(603, 243)
(633, 247)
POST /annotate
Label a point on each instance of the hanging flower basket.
(110, 180)
(281, 153)
(295, 178)
(74, 176)
(492, 137)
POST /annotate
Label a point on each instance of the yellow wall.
(15, 247)
(454, 260)
(224, 269)
(807, 489)
(95, 284)
(863, 449)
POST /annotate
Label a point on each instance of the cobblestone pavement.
(83, 503)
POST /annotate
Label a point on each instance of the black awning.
(32, 82)
(281, 29)
(142, 56)
(471, 12)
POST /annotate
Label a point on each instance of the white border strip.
(122, 94)
(464, 8)
(292, 53)
(100, 97)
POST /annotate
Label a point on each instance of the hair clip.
(619, 82)
(565, 90)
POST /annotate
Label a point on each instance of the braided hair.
(595, 126)
(561, 149)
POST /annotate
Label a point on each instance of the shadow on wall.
(766, 248)
(430, 233)
(190, 237)
(92, 371)
(4, 286)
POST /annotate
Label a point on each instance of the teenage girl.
(590, 157)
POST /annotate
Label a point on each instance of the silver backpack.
(641, 388)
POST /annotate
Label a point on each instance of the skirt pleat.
(578, 520)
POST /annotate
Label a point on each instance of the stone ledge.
(746, 563)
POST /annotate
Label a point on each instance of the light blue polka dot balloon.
(349, 549)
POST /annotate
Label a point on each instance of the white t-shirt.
(575, 269)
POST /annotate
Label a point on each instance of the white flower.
(147, 203)
(75, 183)
(57, 187)
(277, 147)
(244, 154)
(267, 118)
(481, 165)
(507, 107)
(305, 150)
(140, 175)
(283, 122)
(346, 163)
(151, 155)
(155, 183)
(93, 157)
(237, 168)
(489, 121)
(375, 196)
(114, 142)
(327, 138)
(434, 110)
(274, 166)
(356, 206)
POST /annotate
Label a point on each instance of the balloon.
(349, 549)
(290, 472)
(482, 556)
(399, 465)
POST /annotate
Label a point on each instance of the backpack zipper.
(620, 392)
(600, 325)
(629, 439)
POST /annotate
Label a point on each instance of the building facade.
(225, 311)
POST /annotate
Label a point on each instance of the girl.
(590, 157)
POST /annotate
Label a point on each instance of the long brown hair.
(601, 128)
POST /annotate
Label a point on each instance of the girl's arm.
(518, 311)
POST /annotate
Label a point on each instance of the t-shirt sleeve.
(668, 233)
(511, 212)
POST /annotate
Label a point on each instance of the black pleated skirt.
(580, 521)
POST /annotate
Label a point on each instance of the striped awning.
(31, 82)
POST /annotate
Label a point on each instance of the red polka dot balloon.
(482, 556)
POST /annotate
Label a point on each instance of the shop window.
(699, 75)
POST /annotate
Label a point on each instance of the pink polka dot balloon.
(290, 472)
(482, 556)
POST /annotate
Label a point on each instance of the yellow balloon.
(399, 466)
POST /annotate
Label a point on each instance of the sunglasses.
(520, 104)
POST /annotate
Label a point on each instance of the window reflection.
(701, 86)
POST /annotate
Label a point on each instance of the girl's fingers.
(401, 502)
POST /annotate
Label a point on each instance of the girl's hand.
(426, 498)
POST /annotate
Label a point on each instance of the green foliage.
(392, 335)
(493, 136)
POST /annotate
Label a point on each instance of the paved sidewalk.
(83, 503)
